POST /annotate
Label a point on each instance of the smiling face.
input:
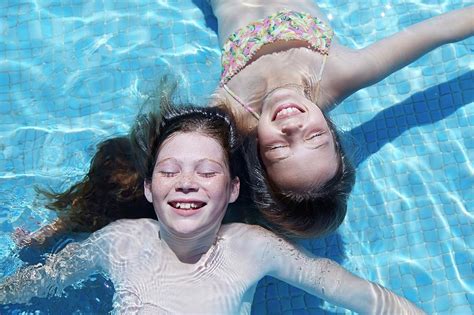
(296, 144)
(191, 185)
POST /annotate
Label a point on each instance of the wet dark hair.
(313, 213)
(153, 128)
(112, 189)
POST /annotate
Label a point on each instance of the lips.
(186, 207)
(286, 110)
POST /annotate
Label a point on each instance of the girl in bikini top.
(286, 25)
(282, 71)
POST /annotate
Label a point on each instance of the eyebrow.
(199, 161)
(320, 145)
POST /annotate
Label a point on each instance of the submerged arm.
(328, 280)
(74, 263)
(43, 237)
(375, 62)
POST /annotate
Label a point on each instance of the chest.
(300, 66)
(220, 283)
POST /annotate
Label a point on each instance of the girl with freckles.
(188, 261)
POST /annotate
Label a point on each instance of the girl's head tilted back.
(297, 143)
(316, 211)
(301, 177)
(189, 158)
(303, 165)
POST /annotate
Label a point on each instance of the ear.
(235, 189)
(147, 190)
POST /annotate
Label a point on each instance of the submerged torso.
(149, 279)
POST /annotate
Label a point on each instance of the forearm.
(33, 281)
(387, 302)
(47, 234)
(366, 297)
(72, 264)
(393, 53)
(328, 280)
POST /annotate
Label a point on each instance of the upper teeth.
(287, 110)
(186, 205)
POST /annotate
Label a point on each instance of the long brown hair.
(313, 213)
(112, 189)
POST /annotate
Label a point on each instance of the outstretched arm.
(328, 280)
(43, 237)
(375, 62)
(74, 263)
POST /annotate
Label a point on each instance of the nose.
(186, 184)
(291, 127)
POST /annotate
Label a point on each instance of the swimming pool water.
(73, 72)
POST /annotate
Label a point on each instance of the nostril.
(186, 184)
(285, 130)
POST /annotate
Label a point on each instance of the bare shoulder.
(343, 67)
(136, 223)
(241, 234)
(259, 247)
(242, 229)
(133, 225)
(126, 240)
(132, 230)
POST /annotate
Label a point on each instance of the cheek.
(160, 190)
(218, 188)
(264, 137)
(263, 130)
(318, 121)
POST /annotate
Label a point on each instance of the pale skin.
(281, 65)
(40, 237)
(166, 266)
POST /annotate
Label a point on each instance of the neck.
(189, 249)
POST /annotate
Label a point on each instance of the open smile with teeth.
(287, 112)
(187, 205)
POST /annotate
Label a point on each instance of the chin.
(187, 231)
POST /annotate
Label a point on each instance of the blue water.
(73, 72)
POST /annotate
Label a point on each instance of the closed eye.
(207, 174)
(278, 146)
(167, 174)
(315, 135)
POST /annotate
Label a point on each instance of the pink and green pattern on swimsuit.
(283, 25)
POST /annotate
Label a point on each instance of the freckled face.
(295, 142)
(191, 185)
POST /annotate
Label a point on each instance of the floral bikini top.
(286, 25)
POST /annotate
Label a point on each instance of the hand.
(22, 237)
